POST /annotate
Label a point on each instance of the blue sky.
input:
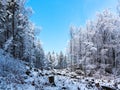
(56, 16)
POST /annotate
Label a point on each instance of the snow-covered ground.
(38, 80)
(17, 75)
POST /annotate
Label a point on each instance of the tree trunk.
(13, 27)
(51, 80)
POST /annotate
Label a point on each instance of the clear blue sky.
(56, 16)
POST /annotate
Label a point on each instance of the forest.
(92, 53)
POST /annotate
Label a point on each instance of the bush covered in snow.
(11, 69)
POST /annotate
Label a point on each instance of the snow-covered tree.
(97, 45)
(17, 33)
(39, 56)
(2, 23)
(15, 23)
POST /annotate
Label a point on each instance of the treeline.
(56, 60)
(96, 48)
(17, 33)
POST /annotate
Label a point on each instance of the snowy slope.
(17, 75)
